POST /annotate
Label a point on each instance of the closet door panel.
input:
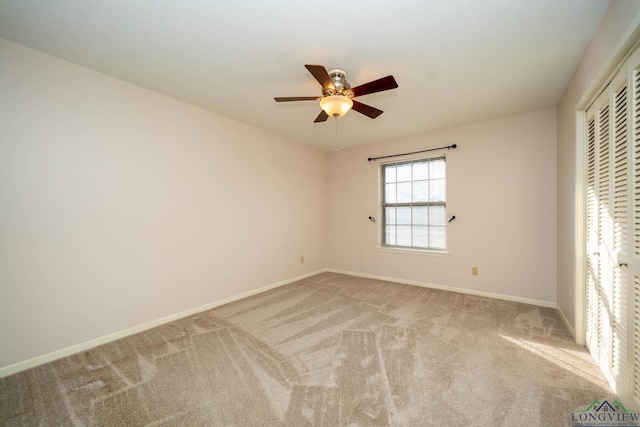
(620, 121)
(632, 255)
(599, 233)
(592, 237)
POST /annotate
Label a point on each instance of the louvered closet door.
(613, 232)
(618, 250)
(633, 250)
(592, 236)
(599, 233)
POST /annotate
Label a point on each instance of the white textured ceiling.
(455, 61)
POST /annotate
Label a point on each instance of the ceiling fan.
(337, 94)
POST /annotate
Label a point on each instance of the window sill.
(411, 251)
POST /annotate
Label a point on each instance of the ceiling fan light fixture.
(336, 105)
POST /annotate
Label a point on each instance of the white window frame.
(383, 204)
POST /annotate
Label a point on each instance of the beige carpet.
(330, 350)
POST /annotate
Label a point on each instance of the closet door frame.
(618, 71)
(630, 43)
(580, 189)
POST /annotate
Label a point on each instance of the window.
(414, 204)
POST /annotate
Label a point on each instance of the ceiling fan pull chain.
(335, 148)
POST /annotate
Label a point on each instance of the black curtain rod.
(448, 147)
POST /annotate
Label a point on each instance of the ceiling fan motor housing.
(339, 78)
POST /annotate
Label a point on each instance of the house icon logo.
(605, 414)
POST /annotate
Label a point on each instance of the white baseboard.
(50, 357)
(539, 303)
(567, 324)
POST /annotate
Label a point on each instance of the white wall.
(501, 186)
(616, 27)
(120, 206)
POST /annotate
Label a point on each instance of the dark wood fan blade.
(365, 109)
(379, 85)
(322, 117)
(321, 75)
(297, 98)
